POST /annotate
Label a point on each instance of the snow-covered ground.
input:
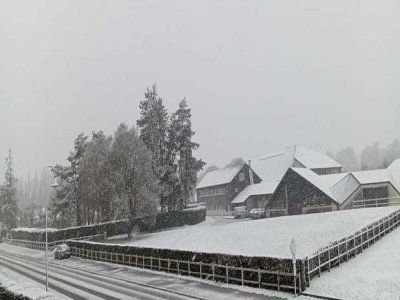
(26, 287)
(266, 237)
(374, 274)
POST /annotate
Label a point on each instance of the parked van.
(240, 212)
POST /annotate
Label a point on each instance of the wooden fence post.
(329, 258)
(279, 280)
(213, 271)
(319, 264)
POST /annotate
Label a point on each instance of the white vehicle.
(240, 212)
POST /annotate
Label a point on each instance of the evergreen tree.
(188, 166)
(8, 196)
(63, 209)
(153, 126)
(134, 180)
(66, 207)
(96, 184)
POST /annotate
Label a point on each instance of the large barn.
(272, 168)
(302, 191)
(296, 180)
(224, 189)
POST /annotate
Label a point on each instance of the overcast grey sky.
(258, 75)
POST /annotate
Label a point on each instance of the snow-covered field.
(266, 237)
(374, 274)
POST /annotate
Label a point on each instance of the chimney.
(251, 174)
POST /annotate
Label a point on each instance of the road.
(82, 279)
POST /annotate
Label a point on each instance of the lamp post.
(293, 251)
(53, 185)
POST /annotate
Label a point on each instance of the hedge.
(190, 216)
(9, 295)
(264, 263)
(111, 228)
(164, 220)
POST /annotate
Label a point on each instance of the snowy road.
(79, 284)
(83, 279)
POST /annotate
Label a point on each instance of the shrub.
(7, 294)
(189, 216)
(264, 263)
(110, 228)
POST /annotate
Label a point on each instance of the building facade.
(295, 195)
(218, 188)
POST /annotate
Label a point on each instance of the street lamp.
(53, 185)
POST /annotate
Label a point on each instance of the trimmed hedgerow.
(177, 218)
(110, 228)
(164, 220)
(264, 263)
(9, 295)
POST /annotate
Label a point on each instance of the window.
(376, 193)
(241, 176)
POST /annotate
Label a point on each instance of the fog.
(258, 75)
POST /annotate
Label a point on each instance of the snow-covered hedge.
(190, 216)
(256, 262)
(7, 294)
(111, 228)
(336, 250)
(172, 219)
(10, 295)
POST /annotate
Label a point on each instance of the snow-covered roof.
(372, 176)
(314, 160)
(344, 188)
(315, 180)
(332, 179)
(218, 177)
(394, 172)
(273, 166)
(263, 188)
(26, 229)
(337, 186)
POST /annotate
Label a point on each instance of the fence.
(341, 251)
(42, 245)
(379, 202)
(221, 273)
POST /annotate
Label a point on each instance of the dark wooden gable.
(237, 185)
(294, 192)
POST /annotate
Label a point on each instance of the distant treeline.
(371, 157)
